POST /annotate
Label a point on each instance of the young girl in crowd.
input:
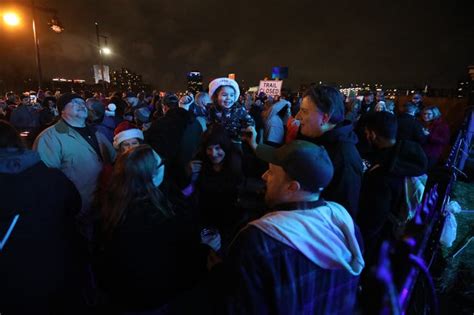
(226, 111)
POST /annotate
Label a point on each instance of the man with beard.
(77, 150)
(303, 257)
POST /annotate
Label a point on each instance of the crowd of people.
(217, 203)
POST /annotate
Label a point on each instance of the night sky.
(392, 42)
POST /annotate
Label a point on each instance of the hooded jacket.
(340, 143)
(409, 128)
(274, 131)
(382, 189)
(300, 259)
(40, 265)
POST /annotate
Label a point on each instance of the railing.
(419, 246)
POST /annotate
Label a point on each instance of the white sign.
(98, 73)
(270, 87)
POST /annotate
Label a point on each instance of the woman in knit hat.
(226, 111)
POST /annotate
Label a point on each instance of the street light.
(102, 51)
(106, 50)
(12, 19)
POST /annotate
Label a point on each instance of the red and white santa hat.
(126, 131)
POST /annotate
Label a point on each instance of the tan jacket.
(62, 147)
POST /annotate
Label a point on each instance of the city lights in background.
(11, 18)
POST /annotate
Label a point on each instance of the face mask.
(160, 172)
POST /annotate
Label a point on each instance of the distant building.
(67, 85)
(463, 88)
(194, 82)
(124, 80)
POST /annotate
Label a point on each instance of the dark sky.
(392, 42)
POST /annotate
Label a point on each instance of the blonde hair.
(435, 110)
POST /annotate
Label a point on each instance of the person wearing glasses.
(78, 150)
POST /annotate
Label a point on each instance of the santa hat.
(126, 131)
(216, 83)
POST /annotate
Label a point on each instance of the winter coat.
(107, 127)
(274, 131)
(382, 191)
(217, 196)
(256, 113)
(41, 263)
(175, 137)
(62, 147)
(409, 128)
(275, 266)
(150, 259)
(234, 119)
(340, 143)
(436, 141)
(46, 117)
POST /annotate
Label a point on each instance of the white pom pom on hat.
(110, 110)
(112, 107)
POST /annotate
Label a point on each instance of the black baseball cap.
(303, 161)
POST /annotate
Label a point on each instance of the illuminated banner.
(270, 87)
(98, 74)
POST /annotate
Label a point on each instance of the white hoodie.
(325, 235)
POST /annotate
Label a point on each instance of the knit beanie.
(65, 99)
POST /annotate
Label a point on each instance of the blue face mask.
(159, 172)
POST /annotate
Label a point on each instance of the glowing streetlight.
(11, 19)
(106, 51)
